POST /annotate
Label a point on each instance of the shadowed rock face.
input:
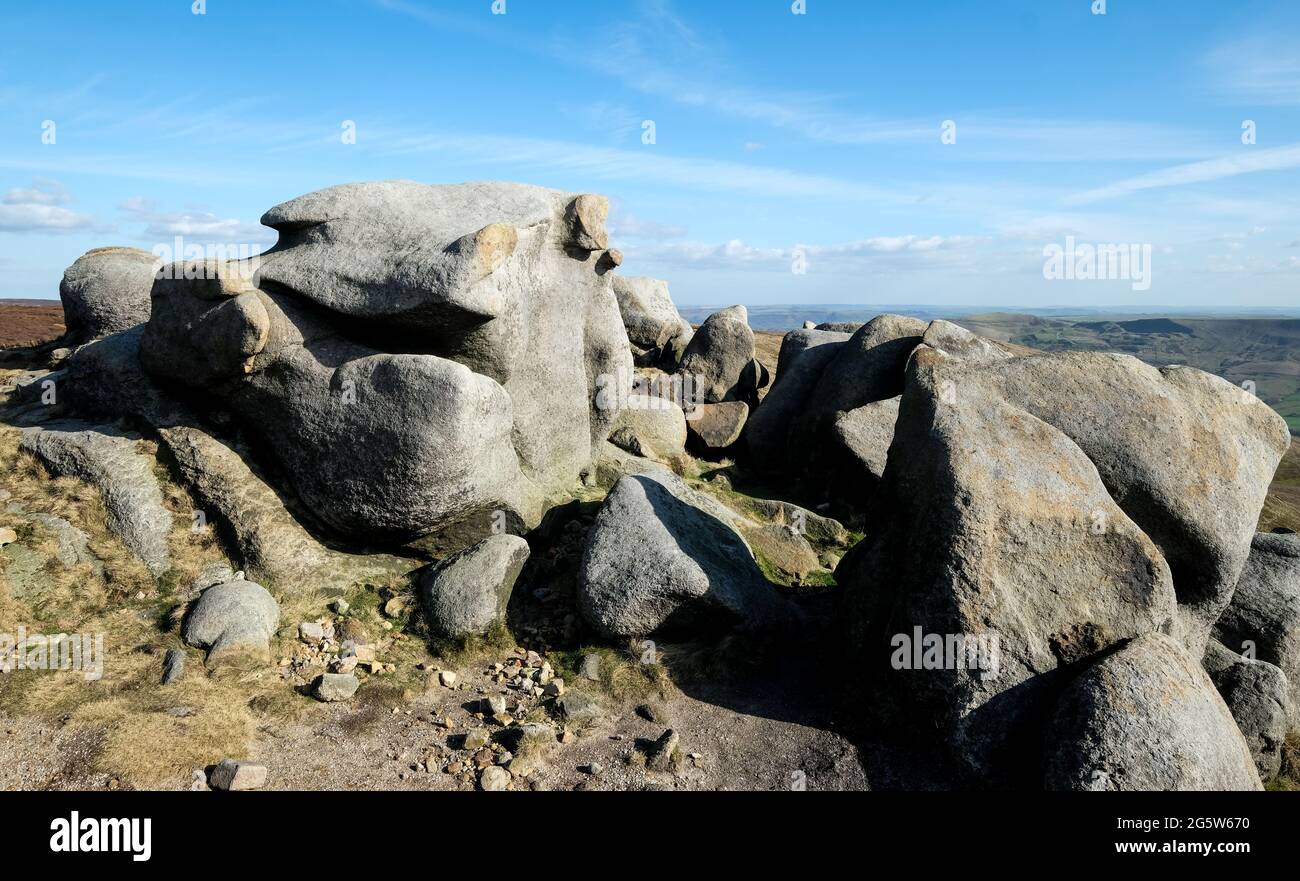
(1264, 616)
(1258, 696)
(414, 357)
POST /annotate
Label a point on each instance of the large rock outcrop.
(804, 355)
(1186, 455)
(414, 358)
(822, 375)
(1067, 502)
(1146, 717)
(106, 290)
(986, 531)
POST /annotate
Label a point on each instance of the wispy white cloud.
(1249, 160)
(874, 254)
(41, 208)
(656, 53)
(630, 226)
(649, 164)
(1260, 70)
(43, 191)
(200, 225)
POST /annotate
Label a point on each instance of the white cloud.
(1257, 70)
(630, 226)
(43, 191)
(40, 207)
(200, 225)
(878, 253)
(1247, 161)
(646, 164)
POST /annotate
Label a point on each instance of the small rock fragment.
(331, 687)
(237, 776)
(494, 778)
(173, 666)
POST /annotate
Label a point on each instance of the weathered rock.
(659, 756)
(651, 319)
(236, 616)
(8, 536)
(720, 354)
(107, 458)
(106, 290)
(271, 542)
(804, 355)
(859, 441)
(73, 543)
(958, 342)
(717, 426)
(494, 779)
(818, 528)
(1263, 619)
(1186, 455)
(984, 528)
(796, 342)
(869, 367)
(784, 548)
(173, 666)
(471, 287)
(578, 707)
(235, 776)
(1146, 717)
(653, 561)
(105, 380)
(1258, 696)
(334, 687)
(467, 593)
(211, 575)
(652, 427)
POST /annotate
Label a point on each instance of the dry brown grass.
(148, 735)
(23, 325)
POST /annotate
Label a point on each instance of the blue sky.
(775, 134)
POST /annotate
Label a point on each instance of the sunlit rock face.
(415, 359)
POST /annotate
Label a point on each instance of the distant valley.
(1264, 350)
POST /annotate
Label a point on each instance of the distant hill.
(1140, 325)
(1262, 350)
